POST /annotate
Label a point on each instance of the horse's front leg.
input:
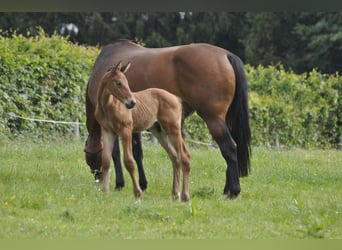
(126, 137)
(108, 140)
(138, 157)
(119, 177)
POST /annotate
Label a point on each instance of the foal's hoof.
(137, 194)
(185, 197)
(175, 197)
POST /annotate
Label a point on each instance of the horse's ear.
(125, 68)
(117, 67)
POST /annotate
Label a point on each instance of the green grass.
(47, 192)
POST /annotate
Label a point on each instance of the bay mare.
(209, 80)
(120, 112)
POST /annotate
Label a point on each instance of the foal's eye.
(118, 84)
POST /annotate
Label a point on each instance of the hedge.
(299, 109)
(45, 77)
(42, 77)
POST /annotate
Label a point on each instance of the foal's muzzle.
(130, 103)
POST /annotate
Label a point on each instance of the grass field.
(47, 192)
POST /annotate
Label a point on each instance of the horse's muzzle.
(130, 103)
(97, 174)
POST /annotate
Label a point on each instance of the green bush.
(45, 78)
(299, 109)
(42, 77)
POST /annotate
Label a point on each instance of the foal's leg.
(227, 145)
(173, 146)
(176, 143)
(186, 172)
(126, 137)
(163, 141)
(138, 157)
(108, 140)
(119, 178)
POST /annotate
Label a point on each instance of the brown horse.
(115, 113)
(208, 79)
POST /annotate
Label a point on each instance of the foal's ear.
(125, 68)
(117, 67)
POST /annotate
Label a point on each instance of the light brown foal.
(121, 112)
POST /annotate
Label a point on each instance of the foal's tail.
(238, 116)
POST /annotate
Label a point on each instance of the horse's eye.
(119, 84)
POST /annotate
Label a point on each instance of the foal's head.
(118, 85)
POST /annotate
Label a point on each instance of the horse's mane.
(124, 40)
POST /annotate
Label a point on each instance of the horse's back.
(193, 72)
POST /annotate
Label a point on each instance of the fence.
(77, 124)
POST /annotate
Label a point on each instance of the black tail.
(238, 116)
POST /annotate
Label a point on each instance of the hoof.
(185, 198)
(224, 197)
(143, 186)
(118, 188)
(175, 197)
(229, 196)
(137, 193)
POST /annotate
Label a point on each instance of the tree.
(269, 39)
(321, 36)
(300, 41)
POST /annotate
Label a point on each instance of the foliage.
(297, 109)
(45, 78)
(298, 40)
(47, 192)
(323, 39)
(42, 77)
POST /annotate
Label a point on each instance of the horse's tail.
(237, 117)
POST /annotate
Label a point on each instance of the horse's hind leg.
(227, 145)
(138, 157)
(119, 178)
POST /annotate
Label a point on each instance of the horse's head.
(118, 84)
(93, 158)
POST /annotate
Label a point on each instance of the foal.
(116, 116)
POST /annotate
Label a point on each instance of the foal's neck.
(106, 99)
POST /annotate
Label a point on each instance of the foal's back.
(156, 105)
